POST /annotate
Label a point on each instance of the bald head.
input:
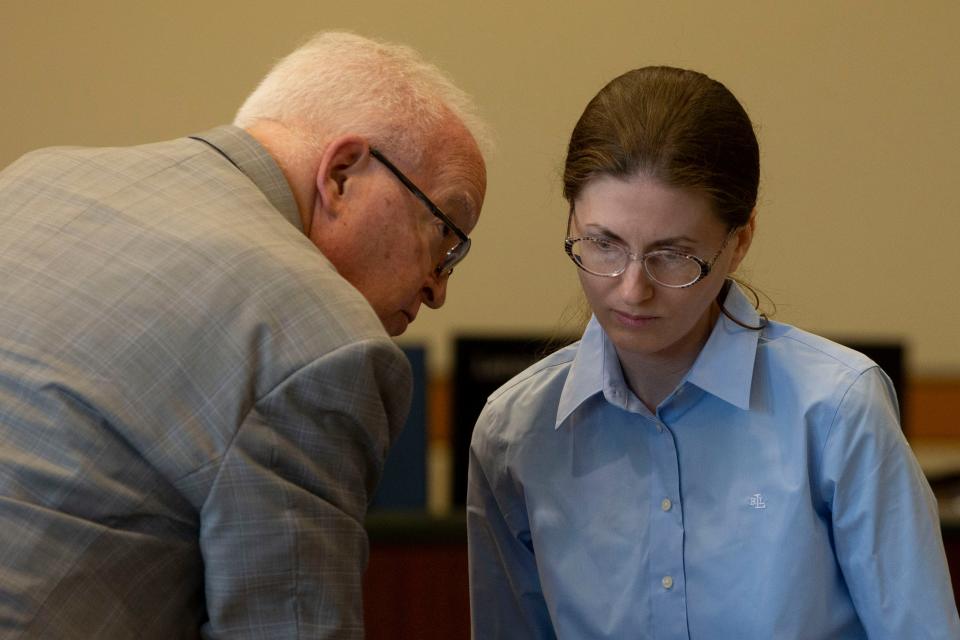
(341, 83)
(321, 110)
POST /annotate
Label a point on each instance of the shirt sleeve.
(885, 520)
(506, 599)
(282, 534)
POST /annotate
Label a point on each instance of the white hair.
(339, 83)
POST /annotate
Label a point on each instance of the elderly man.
(197, 393)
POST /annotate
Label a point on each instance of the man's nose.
(434, 291)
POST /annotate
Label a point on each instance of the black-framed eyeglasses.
(459, 251)
(667, 267)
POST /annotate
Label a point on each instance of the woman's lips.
(634, 320)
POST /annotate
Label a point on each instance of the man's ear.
(743, 237)
(343, 159)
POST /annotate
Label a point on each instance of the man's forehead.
(463, 207)
(461, 184)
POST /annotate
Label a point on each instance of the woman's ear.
(743, 238)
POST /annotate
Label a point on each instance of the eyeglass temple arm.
(415, 190)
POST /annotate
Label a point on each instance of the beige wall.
(857, 106)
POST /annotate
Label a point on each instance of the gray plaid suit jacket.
(194, 407)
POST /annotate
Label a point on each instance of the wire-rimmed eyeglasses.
(459, 251)
(667, 267)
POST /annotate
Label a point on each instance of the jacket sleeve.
(885, 521)
(282, 529)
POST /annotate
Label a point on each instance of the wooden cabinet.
(416, 582)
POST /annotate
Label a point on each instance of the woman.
(690, 469)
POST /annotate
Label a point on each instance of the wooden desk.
(416, 583)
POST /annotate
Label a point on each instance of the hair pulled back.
(676, 126)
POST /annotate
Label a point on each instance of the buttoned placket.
(667, 579)
(667, 582)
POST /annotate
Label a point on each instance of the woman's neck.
(653, 376)
(652, 384)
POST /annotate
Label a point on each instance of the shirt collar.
(588, 373)
(249, 156)
(724, 367)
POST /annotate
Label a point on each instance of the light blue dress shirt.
(771, 497)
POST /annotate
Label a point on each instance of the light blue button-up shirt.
(772, 496)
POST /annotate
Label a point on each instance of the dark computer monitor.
(481, 365)
(404, 482)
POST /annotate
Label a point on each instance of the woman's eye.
(671, 256)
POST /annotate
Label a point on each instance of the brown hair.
(677, 126)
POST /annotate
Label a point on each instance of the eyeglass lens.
(607, 259)
(453, 257)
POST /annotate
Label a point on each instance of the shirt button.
(666, 504)
(667, 582)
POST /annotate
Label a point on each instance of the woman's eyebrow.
(665, 242)
(599, 229)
